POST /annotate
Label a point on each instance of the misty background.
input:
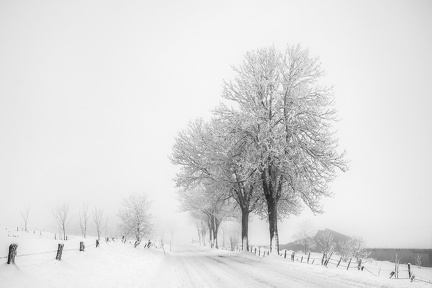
(92, 94)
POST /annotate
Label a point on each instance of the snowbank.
(113, 264)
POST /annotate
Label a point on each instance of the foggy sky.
(92, 94)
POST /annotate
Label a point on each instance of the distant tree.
(234, 230)
(204, 204)
(233, 238)
(358, 248)
(304, 235)
(106, 227)
(25, 216)
(344, 249)
(326, 243)
(201, 228)
(97, 220)
(135, 217)
(83, 219)
(61, 215)
(418, 260)
(353, 247)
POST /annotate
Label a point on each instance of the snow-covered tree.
(353, 247)
(325, 242)
(97, 220)
(25, 216)
(418, 260)
(135, 217)
(83, 219)
(201, 227)
(205, 204)
(287, 116)
(213, 153)
(61, 215)
(304, 235)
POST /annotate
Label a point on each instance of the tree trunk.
(210, 233)
(203, 236)
(245, 228)
(215, 232)
(216, 226)
(272, 218)
(199, 235)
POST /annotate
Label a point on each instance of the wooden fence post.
(301, 260)
(292, 256)
(308, 258)
(285, 254)
(322, 260)
(255, 250)
(396, 268)
(268, 253)
(339, 262)
(349, 264)
(12, 253)
(82, 247)
(97, 243)
(59, 251)
(359, 264)
(163, 247)
(409, 270)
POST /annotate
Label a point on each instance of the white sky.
(92, 94)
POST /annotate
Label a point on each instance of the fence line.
(356, 264)
(31, 254)
(13, 251)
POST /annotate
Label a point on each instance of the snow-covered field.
(115, 264)
(380, 269)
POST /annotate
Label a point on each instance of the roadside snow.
(115, 264)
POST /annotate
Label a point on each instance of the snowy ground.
(121, 265)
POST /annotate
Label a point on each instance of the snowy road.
(118, 265)
(195, 266)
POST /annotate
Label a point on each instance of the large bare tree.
(61, 215)
(287, 116)
(135, 217)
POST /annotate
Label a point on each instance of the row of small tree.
(268, 149)
(63, 219)
(134, 215)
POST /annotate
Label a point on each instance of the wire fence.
(398, 272)
(13, 251)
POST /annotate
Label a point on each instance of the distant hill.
(338, 237)
(380, 254)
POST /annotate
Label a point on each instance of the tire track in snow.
(197, 267)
